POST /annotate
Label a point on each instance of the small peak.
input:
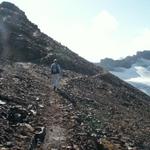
(10, 6)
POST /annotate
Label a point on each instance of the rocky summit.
(92, 110)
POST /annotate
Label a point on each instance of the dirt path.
(53, 115)
(55, 131)
(56, 115)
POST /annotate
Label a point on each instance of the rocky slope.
(88, 112)
(92, 110)
(22, 41)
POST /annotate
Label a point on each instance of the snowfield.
(138, 75)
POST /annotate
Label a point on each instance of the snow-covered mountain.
(134, 69)
(138, 75)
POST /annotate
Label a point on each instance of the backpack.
(55, 69)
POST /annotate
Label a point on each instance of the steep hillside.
(22, 41)
(92, 110)
(110, 110)
(88, 112)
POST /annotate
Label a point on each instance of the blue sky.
(94, 29)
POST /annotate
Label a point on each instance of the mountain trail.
(55, 129)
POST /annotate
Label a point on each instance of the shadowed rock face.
(22, 41)
(15, 32)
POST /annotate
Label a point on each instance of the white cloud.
(97, 39)
(92, 41)
(139, 42)
(142, 41)
(104, 23)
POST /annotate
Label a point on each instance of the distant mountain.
(127, 62)
(133, 69)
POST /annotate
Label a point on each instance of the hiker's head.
(55, 60)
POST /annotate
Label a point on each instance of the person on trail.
(55, 72)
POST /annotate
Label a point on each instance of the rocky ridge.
(22, 41)
(126, 62)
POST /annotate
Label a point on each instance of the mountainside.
(88, 112)
(92, 110)
(22, 41)
(133, 69)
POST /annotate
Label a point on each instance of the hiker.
(55, 72)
